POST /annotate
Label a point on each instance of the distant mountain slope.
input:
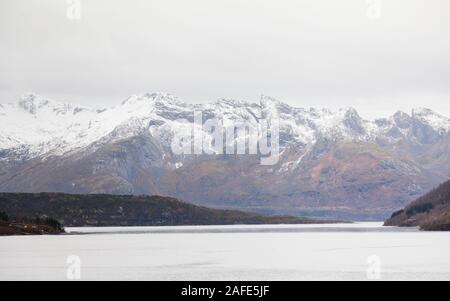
(332, 164)
(122, 210)
(430, 212)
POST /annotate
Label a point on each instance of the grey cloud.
(308, 53)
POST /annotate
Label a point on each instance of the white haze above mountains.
(319, 53)
(43, 126)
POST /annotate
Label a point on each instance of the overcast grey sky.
(321, 53)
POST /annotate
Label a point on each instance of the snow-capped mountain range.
(317, 171)
(44, 126)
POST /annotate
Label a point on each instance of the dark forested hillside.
(126, 210)
(430, 212)
(28, 226)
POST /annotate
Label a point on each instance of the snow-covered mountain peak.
(401, 114)
(35, 121)
(157, 97)
(431, 118)
(269, 102)
(318, 113)
(349, 112)
(400, 119)
(230, 103)
(270, 107)
(355, 125)
(34, 104)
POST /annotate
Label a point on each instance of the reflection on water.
(359, 251)
(304, 228)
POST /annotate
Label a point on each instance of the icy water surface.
(360, 251)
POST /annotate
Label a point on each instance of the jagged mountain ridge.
(51, 146)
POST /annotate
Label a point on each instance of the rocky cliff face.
(331, 164)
